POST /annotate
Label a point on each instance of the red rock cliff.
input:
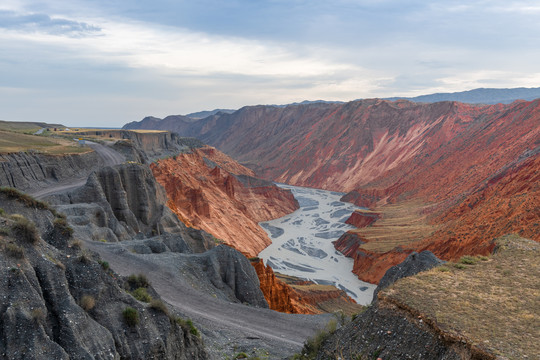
(205, 192)
(301, 297)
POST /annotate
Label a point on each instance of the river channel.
(302, 242)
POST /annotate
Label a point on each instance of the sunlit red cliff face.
(210, 191)
(301, 297)
(453, 173)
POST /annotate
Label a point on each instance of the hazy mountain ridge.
(478, 96)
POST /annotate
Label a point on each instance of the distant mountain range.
(479, 96)
(203, 114)
(475, 96)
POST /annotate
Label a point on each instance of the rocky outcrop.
(210, 191)
(296, 296)
(26, 170)
(121, 202)
(413, 264)
(363, 218)
(386, 332)
(227, 272)
(450, 312)
(370, 266)
(276, 292)
(59, 302)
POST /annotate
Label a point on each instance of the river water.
(302, 242)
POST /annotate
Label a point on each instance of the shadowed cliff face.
(210, 191)
(61, 302)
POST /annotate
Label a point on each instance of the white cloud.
(367, 49)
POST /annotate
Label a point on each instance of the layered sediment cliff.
(27, 170)
(295, 296)
(210, 191)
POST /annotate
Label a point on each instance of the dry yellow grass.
(90, 132)
(494, 303)
(400, 225)
(25, 127)
(15, 142)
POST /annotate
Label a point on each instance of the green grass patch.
(313, 345)
(131, 316)
(159, 305)
(137, 281)
(62, 226)
(104, 264)
(141, 294)
(187, 326)
(13, 142)
(24, 229)
(468, 260)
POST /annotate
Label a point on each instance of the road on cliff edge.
(109, 157)
(227, 327)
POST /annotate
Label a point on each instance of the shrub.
(159, 306)
(187, 326)
(76, 244)
(4, 230)
(443, 269)
(141, 294)
(61, 225)
(24, 229)
(313, 344)
(131, 316)
(15, 251)
(241, 355)
(468, 260)
(104, 264)
(88, 302)
(137, 281)
(459, 266)
(38, 315)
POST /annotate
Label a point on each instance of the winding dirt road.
(108, 156)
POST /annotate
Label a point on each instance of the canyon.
(209, 191)
(443, 179)
(430, 170)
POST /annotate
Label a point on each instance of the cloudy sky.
(109, 62)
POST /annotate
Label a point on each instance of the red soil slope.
(205, 193)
